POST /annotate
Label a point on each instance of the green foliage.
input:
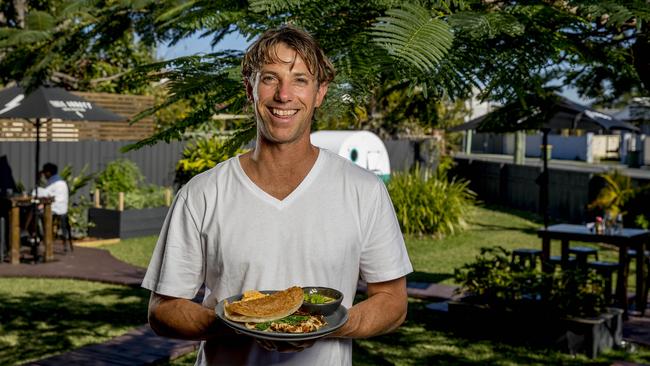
(410, 34)
(642, 222)
(75, 183)
(494, 280)
(78, 206)
(200, 156)
(427, 203)
(615, 194)
(123, 175)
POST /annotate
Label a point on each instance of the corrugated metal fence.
(156, 162)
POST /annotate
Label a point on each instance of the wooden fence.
(57, 130)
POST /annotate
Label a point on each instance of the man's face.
(285, 95)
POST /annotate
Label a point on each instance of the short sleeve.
(383, 254)
(177, 264)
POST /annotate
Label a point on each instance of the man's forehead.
(282, 55)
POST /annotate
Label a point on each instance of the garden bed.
(126, 224)
(537, 326)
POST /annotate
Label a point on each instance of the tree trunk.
(641, 56)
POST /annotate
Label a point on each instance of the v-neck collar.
(277, 203)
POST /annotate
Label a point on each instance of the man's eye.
(268, 79)
(302, 81)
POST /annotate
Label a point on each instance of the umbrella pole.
(545, 180)
(35, 217)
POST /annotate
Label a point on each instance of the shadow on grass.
(36, 325)
(429, 338)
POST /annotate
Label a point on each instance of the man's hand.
(284, 346)
(383, 311)
(181, 318)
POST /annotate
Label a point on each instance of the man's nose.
(284, 93)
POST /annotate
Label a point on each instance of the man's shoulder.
(209, 179)
(344, 168)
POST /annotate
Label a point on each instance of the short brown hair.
(262, 52)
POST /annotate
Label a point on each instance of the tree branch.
(75, 81)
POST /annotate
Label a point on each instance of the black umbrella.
(545, 113)
(46, 103)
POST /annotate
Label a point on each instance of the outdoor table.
(623, 239)
(15, 203)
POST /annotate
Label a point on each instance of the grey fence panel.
(156, 162)
(570, 189)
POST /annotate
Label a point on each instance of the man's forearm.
(383, 311)
(182, 318)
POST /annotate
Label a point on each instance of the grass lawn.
(43, 317)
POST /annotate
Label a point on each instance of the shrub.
(123, 175)
(120, 175)
(493, 280)
(427, 202)
(77, 206)
(199, 156)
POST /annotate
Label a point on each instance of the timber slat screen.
(124, 105)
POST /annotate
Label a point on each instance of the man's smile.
(283, 112)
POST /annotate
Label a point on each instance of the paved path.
(138, 347)
(83, 264)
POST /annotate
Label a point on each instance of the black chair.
(521, 256)
(62, 224)
(607, 270)
(582, 254)
(556, 260)
(631, 254)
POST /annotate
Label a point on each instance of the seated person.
(55, 187)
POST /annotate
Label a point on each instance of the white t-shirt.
(226, 232)
(59, 191)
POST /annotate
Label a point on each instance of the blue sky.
(193, 45)
(236, 41)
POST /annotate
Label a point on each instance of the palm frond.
(25, 37)
(410, 34)
(486, 25)
(274, 6)
(39, 21)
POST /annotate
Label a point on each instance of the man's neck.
(279, 168)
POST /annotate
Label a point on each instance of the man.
(284, 214)
(55, 187)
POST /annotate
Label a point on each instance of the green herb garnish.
(317, 299)
(291, 320)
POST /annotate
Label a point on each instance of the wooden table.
(627, 238)
(15, 204)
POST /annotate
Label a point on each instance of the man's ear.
(249, 89)
(320, 95)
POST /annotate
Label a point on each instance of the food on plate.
(276, 312)
(266, 308)
(317, 299)
(298, 322)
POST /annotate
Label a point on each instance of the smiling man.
(284, 214)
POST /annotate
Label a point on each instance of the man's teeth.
(284, 112)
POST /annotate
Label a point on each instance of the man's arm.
(382, 312)
(182, 318)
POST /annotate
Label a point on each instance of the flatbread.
(268, 308)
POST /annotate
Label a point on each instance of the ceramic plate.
(334, 322)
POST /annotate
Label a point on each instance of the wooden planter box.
(589, 336)
(126, 224)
